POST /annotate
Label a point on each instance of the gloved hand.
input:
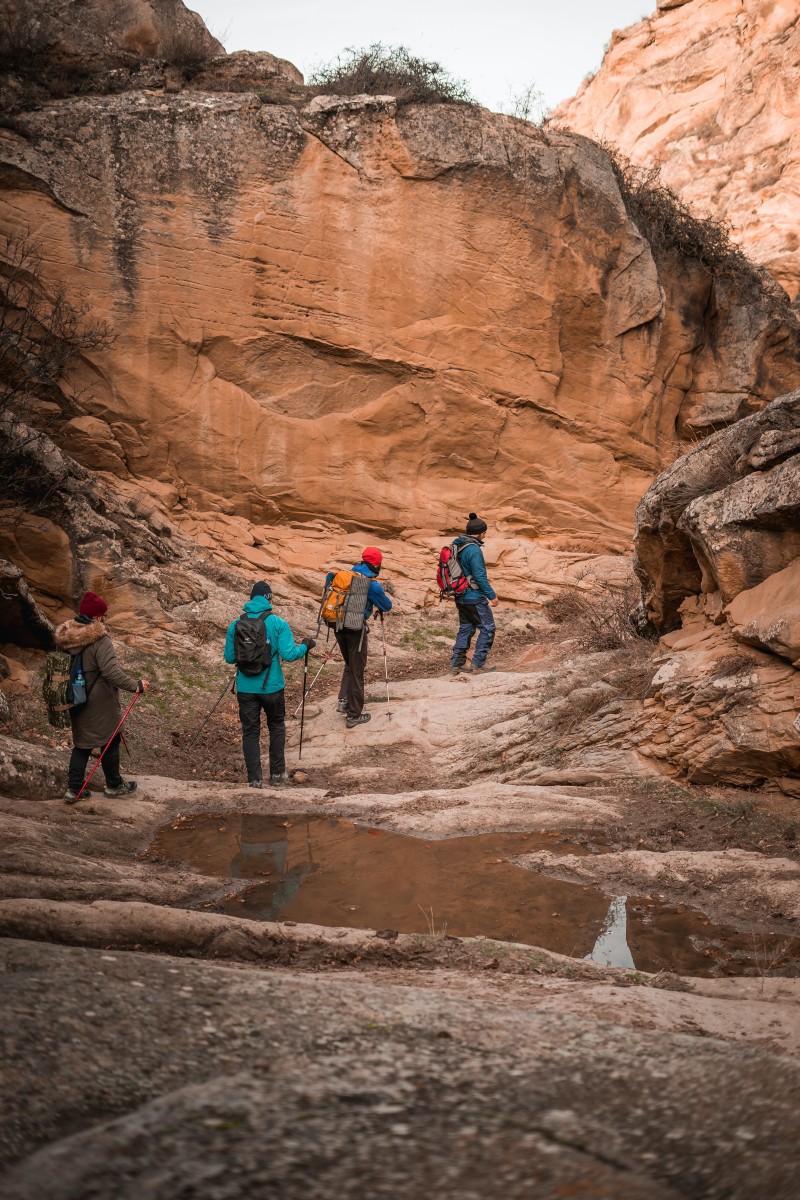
(309, 643)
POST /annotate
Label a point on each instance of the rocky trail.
(162, 1012)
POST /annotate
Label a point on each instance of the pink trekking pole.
(108, 743)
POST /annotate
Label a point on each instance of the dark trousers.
(353, 645)
(273, 705)
(110, 765)
(471, 617)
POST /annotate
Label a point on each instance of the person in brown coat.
(94, 722)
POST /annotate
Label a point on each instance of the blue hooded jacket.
(376, 596)
(472, 564)
(283, 645)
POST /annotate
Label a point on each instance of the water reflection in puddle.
(611, 948)
(330, 871)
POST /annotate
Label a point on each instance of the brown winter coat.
(95, 721)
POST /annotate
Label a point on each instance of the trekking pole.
(385, 667)
(328, 656)
(210, 715)
(303, 703)
(108, 743)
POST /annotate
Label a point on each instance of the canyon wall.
(709, 91)
(383, 316)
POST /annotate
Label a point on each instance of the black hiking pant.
(109, 766)
(353, 645)
(273, 705)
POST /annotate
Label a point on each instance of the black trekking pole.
(385, 667)
(200, 729)
(303, 703)
(328, 656)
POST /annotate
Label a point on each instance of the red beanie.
(93, 605)
(372, 556)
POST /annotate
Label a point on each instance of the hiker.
(474, 606)
(256, 642)
(352, 632)
(93, 723)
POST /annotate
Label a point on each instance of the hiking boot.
(351, 722)
(341, 706)
(277, 780)
(69, 796)
(124, 789)
(482, 669)
(456, 670)
(256, 783)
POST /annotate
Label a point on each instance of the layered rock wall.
(379, 316)
(709, 90)
(718, 553)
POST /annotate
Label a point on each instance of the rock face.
(380, 315)
(708, 90)
(96, 33)
(718, 552)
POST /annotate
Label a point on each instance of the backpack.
(345, 601)
(450, 578)
(64, 686)
(252, 651)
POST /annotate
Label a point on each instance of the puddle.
(330, 871)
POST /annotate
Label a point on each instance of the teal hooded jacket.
(283, 645)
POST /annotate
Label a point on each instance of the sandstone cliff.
(382, 316)
(708, 90)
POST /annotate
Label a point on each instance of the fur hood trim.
(73, 636)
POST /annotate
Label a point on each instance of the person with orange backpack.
(462, 577)
(347, 605)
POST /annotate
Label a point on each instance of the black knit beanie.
(261, 589)
(475, 526)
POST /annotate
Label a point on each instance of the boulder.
(713, 522)
(768, 615)
(92, 443)
(41, 548)
(715, 714)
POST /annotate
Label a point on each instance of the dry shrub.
(380, 70)
(26, 32)
(671, 227)
(187, 46)
(733, 664)
(697, 477)
(598, 617)
(633, 679)
(204, 631)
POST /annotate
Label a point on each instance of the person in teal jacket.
(474, 606)
(266, 690)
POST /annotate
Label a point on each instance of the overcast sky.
(500, 47)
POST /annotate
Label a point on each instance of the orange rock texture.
(709, 90)
(380, 316)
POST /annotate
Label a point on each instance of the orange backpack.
(345, 600)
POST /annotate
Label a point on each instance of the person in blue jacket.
(266, 690)
(353, 643)
(475, 605)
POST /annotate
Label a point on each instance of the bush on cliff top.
(672, 228)
(380, 70)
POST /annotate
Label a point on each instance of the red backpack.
(450, 578)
